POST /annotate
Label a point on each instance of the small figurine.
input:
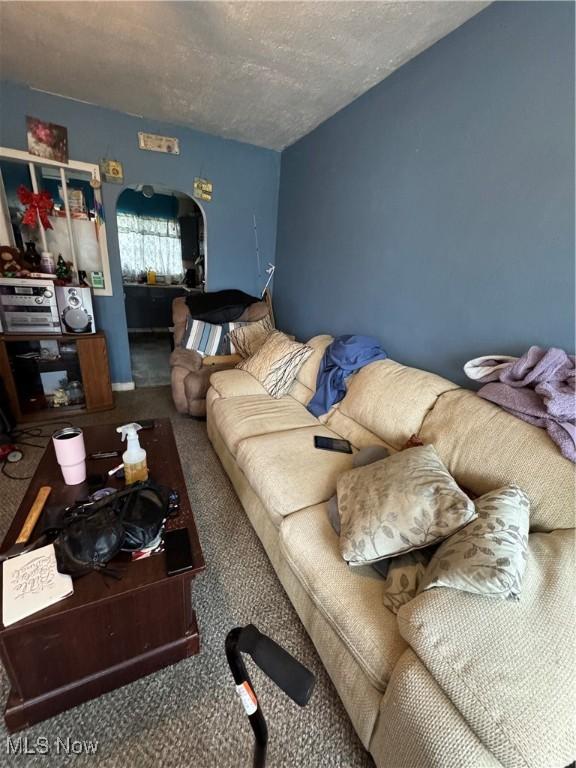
(60, 398)
(32, 256)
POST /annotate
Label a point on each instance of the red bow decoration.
(39, 205)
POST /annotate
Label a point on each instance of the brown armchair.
(190, 371)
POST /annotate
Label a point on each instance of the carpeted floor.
(149, 357)
(188, 714)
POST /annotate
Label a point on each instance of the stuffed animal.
(12, 263)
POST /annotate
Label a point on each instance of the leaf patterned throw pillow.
(405, 574)
(487, 557)
(405, 502)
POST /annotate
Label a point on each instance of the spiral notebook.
(30, 583)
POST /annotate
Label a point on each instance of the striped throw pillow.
(203, 337)
(209, 338)
(276, 364)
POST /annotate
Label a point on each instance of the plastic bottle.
(134, 457)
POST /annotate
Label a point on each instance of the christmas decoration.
(39, 205)
(62, 269)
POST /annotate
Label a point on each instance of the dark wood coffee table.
(108, 633)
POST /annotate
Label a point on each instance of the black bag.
(89, 542)
(143, 516)
(93, 533)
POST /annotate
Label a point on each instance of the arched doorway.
(162, 244)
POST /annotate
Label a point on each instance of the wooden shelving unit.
(92, 361)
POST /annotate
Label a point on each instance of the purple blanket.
(540, 388)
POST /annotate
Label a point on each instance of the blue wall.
(158, 206)
(245, 182)
(437, 210)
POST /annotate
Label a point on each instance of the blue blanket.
(345, 355)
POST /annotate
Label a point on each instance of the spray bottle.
(134, 457)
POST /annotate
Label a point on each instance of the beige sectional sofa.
(455, 679)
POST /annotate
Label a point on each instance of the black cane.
(282, 668)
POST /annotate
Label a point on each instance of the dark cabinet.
(150, 307)
(136, 302)
(189, 239)
(76, 364)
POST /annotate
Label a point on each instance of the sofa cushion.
(508, 666)
(485, 448)
(350, 599)
(286, 470)
(235, 383)
(237, 418)
(391, 400)
(358, 435)
(407, 734)
(304, 386)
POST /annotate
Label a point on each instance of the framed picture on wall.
(47, 140)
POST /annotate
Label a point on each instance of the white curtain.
(149, 243)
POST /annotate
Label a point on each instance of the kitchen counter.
(158, 285)
(149, 307)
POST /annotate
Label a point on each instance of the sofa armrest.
(186, 358)
(508, 666)
(196, 386)
(419, 725)
(228, 361)
(179, 310)
(178, 333)
(193, 361)
(179, 317)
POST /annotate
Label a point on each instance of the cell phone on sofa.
(332, 444)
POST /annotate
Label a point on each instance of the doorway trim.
(205, 220)
(158, 186)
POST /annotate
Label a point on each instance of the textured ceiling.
(262, 72)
